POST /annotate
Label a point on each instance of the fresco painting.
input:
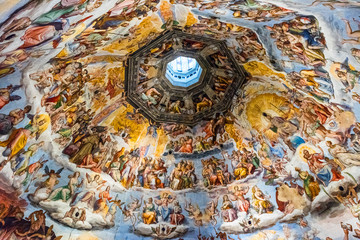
(80, 159)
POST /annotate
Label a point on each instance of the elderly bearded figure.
(345, 157)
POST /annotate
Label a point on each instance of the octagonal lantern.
(183, 71)
(182, 78)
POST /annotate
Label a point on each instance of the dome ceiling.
(179, 119)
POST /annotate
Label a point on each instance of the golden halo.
(305, 147)
(162, 193)
(271, 104)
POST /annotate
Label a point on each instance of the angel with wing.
(52, 179)
(44, 188)
(131, 210)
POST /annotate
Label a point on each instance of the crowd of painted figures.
(186, 144)
(294, 115)
(154, 96)
(14, 223)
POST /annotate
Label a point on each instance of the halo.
(269, 103)
(162, 193)
(231, 188)
(301, 151)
